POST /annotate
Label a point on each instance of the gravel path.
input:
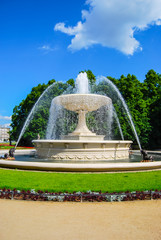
(80, 221)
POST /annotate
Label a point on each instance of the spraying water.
(55, 127)
(31, 114)
(109, 121)
(56, 110)
(82, 85)
(53, 116)
(118, 123)
(125, 107)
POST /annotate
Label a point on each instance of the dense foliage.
(142, 98)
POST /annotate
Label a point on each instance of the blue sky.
(45, 39)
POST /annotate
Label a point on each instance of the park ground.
(82, 221)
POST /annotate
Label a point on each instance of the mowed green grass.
(61, 182)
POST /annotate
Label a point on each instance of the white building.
(4, 133)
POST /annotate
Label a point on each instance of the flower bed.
(88, 196)
(7, 146)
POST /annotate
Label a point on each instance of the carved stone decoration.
(82, 150)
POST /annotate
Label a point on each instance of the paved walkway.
(80, 221)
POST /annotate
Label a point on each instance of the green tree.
(152, 86)
(152, 94)
(71, 82)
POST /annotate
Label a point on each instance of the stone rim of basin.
(85, 102)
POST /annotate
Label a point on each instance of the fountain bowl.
(85, 102)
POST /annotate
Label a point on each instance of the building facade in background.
(4, 133)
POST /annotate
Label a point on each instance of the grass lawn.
(61, 182)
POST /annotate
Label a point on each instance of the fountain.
(82, 144)
(83, 148)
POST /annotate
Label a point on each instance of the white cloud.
(112, 23)
(70, 30)
(158, 22)
(47, 48)
(5, 118)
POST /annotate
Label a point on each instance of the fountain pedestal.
(82, 132)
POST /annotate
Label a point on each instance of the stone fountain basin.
(85, 102)
(76, 150)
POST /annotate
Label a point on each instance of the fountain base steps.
(82, 150)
